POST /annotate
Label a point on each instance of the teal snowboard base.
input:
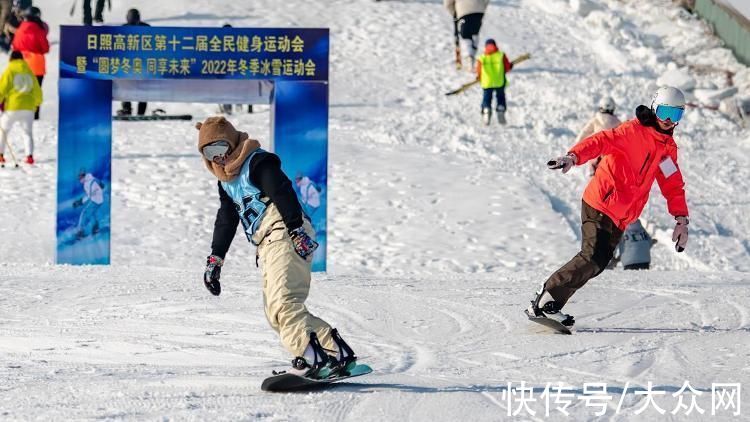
(290, 382)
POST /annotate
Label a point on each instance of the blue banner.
(291, 63)
(150, 52)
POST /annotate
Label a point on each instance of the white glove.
(565, 163)
(680, 234)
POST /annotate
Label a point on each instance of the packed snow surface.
(440, 231)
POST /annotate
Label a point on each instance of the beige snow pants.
(286, 283)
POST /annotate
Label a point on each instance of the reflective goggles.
(671, 113)
(215, 149)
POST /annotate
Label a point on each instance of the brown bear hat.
(240, 146)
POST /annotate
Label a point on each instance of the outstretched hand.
(565, 163)
(680, 234)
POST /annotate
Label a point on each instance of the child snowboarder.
(603, 119)
(491, 69)
(254, 190)
(21, 94)
(635, 154)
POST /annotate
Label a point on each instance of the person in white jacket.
(92, 200)
(468, 15)
(603, 119)
(308, 194)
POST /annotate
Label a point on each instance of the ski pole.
(73, 7)
(458, 42)
(10, 148)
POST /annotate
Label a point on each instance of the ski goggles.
(671, 113)
(215, 150)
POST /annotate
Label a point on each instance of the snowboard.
(153, 117)
(289, 382)
(550, 323)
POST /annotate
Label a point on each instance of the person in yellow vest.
(21, 95)
(491, 69)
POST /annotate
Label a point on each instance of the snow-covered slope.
(440, 230)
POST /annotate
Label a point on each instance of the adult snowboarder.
(634, 155)
(21, 95)
(254, 190)
(468, 15)
(603, 119)
(492, 67)
(133, 18)
(91, 201)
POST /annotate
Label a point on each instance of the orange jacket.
(31, 40)
(634, 154)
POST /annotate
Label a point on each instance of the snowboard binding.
(346, 359)
(319, 368)
(549, 308)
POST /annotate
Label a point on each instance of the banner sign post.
(153, 63)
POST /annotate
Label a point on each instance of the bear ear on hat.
(198, 125)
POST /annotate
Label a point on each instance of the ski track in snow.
(440, 229)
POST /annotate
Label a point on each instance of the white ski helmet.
(669, 96)
(607, 105)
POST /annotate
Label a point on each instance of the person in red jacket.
(31, 41)
(635, 154)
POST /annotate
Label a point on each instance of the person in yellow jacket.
(491, 69)
(21, 95)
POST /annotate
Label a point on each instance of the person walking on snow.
(21, 95)
(492, 66)
(31, 40)
(634, 155)
(603, 119)
(92, 200)
(254, 190)
(468, 15)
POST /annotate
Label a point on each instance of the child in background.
(491, 69)
(21, 94)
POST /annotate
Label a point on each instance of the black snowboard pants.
(469, 25)
(87, 18)
(600, 237)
